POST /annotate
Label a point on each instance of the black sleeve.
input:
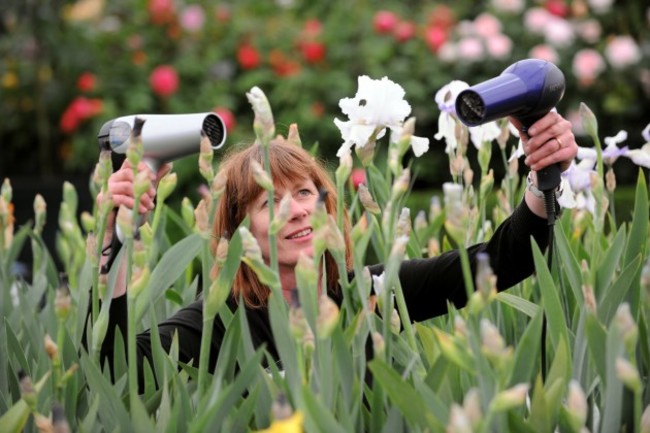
(187, 323)
(428, 284)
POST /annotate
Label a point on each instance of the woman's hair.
(289, 164)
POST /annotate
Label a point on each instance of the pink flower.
(385, 21)
(622, 51)
(312, 28)
(358, 177)
(587, 65)
(471, 49)
(435, 37)
(499, 46)
(589, 30)
(193, 18)
(487, 25)
(536, 20)
(164, 80)
(544, 52)
(404, 30)
(557, 7)
(558, 32)
(510, 6)
(161, 11)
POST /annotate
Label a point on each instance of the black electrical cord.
(551, 208)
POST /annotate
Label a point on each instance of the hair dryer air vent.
(215, 130)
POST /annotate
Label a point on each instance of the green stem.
(404, 315)
(204, 357)
(273, 253)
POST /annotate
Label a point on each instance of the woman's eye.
(305, 192)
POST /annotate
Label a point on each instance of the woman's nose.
(298, 209)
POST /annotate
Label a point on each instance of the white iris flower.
(378, 104)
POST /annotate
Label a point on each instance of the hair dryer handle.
(548, 178)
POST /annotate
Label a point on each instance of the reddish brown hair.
(289, 163)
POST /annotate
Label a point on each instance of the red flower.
(283, 65)
(228, 118)
(223, 13)
(442, 16)
(557, 7)
(86, 82)
(435, 37)
(358, 177)
(404, 30)
(79, 110)
(385, 21)
(313, 51)
(247, 56)
(161, 11)
(164, 80)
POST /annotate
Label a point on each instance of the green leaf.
(404, 396)
(613, 391)
(550, 299)
(610, 262)
(527, 352)
(596, 338)
(518, 303)
(617, 292)
(171, 266)
(378, 186)
(318, 414)
(561, 365)
(569, 263)
(15, 418)
(638, 239)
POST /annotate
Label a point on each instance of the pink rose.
(435, 37)
(471, 49)
(544, 52)
(487, 25)
(622, 51)
(510, 6)
(164, 80)
(559, 32)
(385, 21)
(499, 46)
(590, 30)
(192, 18)
(536, 20)
(404, 31)
(587, 65)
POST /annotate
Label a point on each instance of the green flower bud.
(472, 406)
(6, 191)
(139, 281)
(378, 344)
(261, 177)
(627, 326)
(205, 158)
(263, 124)
(201, 218)
(218, 185)
(91, 249)
(293, 136)
(589, 121)
(103, 169)
(70, 197)
(282, 215)
(628, 374)
(27, 391)
(125, 221)
(576, 404)
(395, 322)
(344, 169)
(328, 316)
(142, 183)
(367, 201)
(306, 270)
(166, 185)
(366, 153)
(135, 150)
(459, 422)
(62, 302)
(146, 234)
(217, 295)
(59, 421)
(221, 253)
(401, 185)
(51, 348)
(492, 343)
(510, 398)
(187, 211)
(40, 213)
(404, 223)
(87, 221)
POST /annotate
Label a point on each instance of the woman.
(428, 284)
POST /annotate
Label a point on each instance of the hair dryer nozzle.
(527, 90)
(165, 137)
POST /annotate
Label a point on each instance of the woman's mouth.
(300, 233)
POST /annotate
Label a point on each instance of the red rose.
(435, 37)
(86, 82)
(164, 80)
(404, 31)
(557, 7)
(385, 21)
(313, 52)
(248, 57)
(228, 118)
(79, 110)
(161, 11)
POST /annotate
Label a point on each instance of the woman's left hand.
(548, 141)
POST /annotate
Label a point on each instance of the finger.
(553, 151)
(549, 120)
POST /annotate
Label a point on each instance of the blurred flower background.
(70, 66)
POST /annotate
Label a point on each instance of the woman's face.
(297, 234)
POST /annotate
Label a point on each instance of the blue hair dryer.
(525, 90)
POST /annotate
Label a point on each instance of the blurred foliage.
(93, 60)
